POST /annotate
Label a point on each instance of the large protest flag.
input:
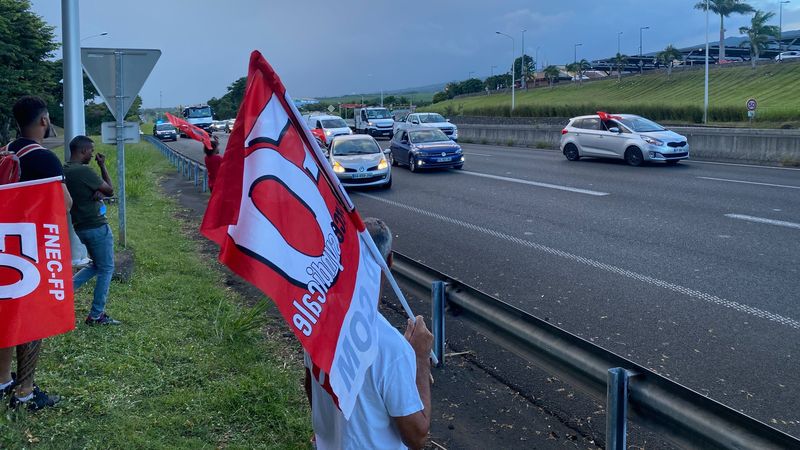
(285, 224)
(36, 299)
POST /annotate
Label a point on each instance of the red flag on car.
(194, 132)
(285, 224)
(35, 263)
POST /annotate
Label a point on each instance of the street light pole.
(780, 35)
(492, 69)
(105, 33)
(575, 52)
(513, 54)
(74, 122)
(536, 61)
(705, 87)
(641, 61)
(523, 82)
(619, 48)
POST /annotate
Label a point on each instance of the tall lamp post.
(619, 48)
(524, 81)
(705, 82)
(641, 61)
(513, 54)
(492, 69)
(105, 33)
(575, 52)
(780, 35)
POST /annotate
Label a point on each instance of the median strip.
(780, 223)
(535, 183)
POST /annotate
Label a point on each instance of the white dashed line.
(755, 166)
(780, 223)
(692, 293)
(750, 182)
(477, 154)
(533, 183)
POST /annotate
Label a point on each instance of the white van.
(330, 125)
(375, 121)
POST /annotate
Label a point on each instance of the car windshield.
(641, 125)
(425, 136)
(165, 127)
(355, 147)
(195, 113)
(378, 114)
(431, 118)
(333, 123)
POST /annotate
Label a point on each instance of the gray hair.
(381, 234)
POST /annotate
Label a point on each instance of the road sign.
(108, 131)
(752, 104)
(751, 114)
(100, 65)
(331, 108)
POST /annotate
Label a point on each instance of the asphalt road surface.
(691, 270)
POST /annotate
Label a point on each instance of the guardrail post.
(617, 409)
(195, 174)
(438, 301)
(205, 179)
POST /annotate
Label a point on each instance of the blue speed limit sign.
(752, 104)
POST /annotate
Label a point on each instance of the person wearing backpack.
(35, 162)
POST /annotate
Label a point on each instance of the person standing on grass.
(393, 409)
(212, 161)
(91, 225)
(36, 162)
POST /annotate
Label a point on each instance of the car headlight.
(337, 167)
(370, 123)
(383, 164)
(652, 141)
(327, 132)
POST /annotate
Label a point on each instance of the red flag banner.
(194, 132)
(284, 224)
(35, 263)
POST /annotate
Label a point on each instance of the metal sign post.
(752, 104)
(118, 75)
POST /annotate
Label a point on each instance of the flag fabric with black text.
(36, 298)
(284, 223)
(193, 131)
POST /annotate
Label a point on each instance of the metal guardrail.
(676, 412)
(189, 168)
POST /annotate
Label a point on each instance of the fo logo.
(19, 275)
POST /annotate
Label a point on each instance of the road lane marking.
(763, 220)
(533, 183)
(692, 293)
(477, 154)
(756, 166)
(750, 182)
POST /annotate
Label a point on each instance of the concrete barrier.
(748, 146)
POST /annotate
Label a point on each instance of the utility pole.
(641, 61)
(74, 121)
(524, 81)
(705, 89)
(575, 52)
(513, 54)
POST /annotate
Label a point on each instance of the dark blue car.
(425, 148)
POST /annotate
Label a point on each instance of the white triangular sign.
(100, 65)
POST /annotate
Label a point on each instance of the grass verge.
(189, 368)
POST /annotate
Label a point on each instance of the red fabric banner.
(284, 224)
(36, 298)
(194, 132)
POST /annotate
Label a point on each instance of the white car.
(359, 161)
(430, 120)
(331, 126)
(788, 55)
(622, 136)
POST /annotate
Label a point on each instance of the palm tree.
(573, 69)
(583, 66)
(551, 72)
(619, 64)
(668, 57)
(759, 33)
(724, 8)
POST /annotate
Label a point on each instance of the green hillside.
(677, 98)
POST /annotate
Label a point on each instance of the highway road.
(691, 270)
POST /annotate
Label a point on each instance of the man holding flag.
(285, 224)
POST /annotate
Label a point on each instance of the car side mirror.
(614, 130)
(448, 120)
(415, 122)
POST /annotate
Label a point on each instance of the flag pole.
(339, 191)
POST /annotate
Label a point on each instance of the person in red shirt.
(212, 161)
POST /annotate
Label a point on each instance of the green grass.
(677, 99)
(416, 97)
(190, 368)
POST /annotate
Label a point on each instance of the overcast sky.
(324, 48)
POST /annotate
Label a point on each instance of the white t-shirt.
(390, 390)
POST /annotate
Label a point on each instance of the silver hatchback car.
(358, 160)
(622, 136)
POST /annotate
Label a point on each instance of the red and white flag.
(285, 224)
(193, 131)
(35, 264)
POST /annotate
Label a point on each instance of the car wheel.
(388, 185)
(412, 163)
(571, 152)
(673, 162)
(394, 161)
(633, 156)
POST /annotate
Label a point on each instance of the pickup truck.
(432, 120)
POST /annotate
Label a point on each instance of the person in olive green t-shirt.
(87, 190)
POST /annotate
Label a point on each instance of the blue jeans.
(100, 244)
